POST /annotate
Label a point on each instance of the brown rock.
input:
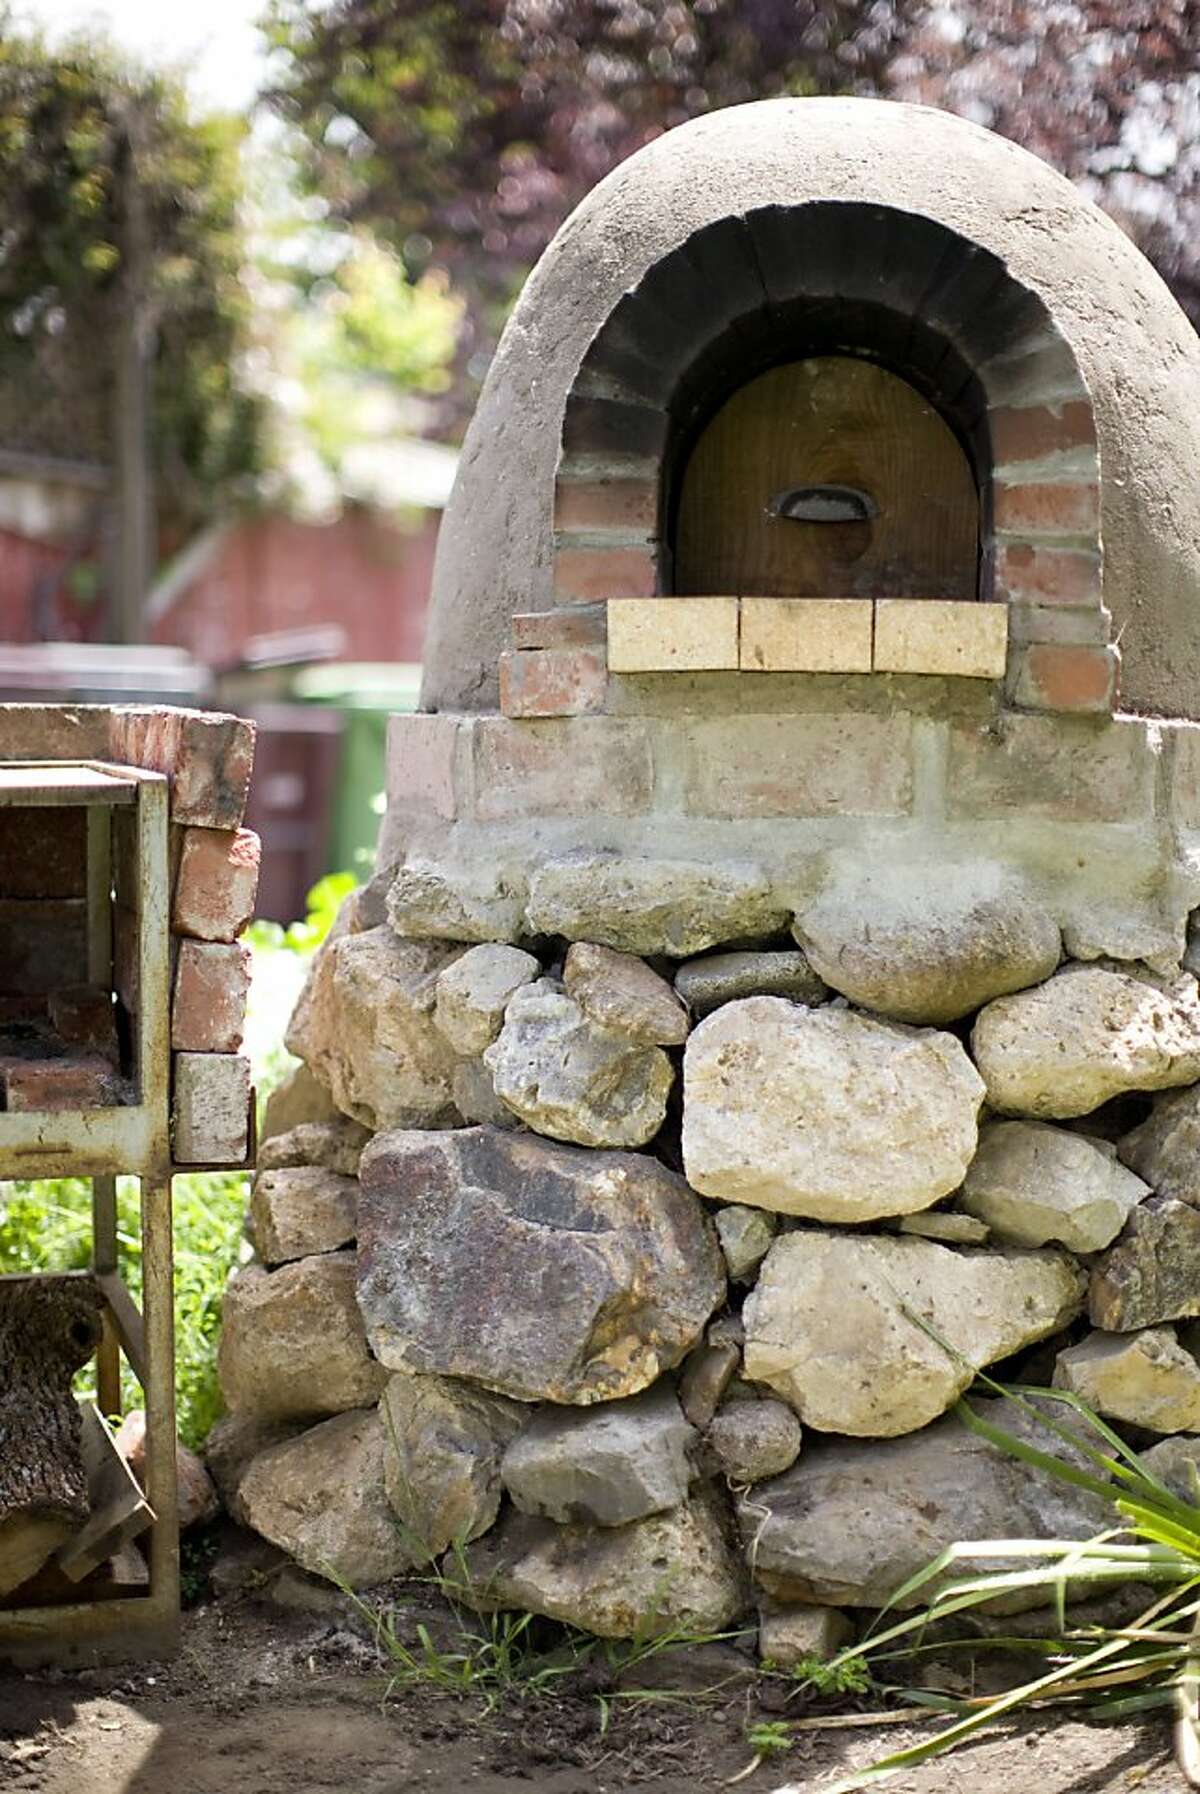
(292, 1341)
(198, 1498)
(620, 991)
(1152, 1272)
(299, 1211)
(601, 1268)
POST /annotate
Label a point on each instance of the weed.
(768, 1738)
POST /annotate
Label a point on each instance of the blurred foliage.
(324, 901)
(466, 130)
(95, 155)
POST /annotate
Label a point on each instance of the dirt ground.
(271, 1700)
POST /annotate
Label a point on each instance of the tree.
(467, 129)
(120, 255)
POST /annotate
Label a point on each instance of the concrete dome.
(1134, 347)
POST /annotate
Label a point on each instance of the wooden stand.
(100, 1143)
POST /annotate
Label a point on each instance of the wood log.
(49, 1328)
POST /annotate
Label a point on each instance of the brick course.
(568, 766)
(217, 883)
(421, 753)
(208, 1004)
(814, 765)
(553, 682)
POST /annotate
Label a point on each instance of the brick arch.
(843, 277)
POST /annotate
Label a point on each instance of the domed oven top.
(831, 387)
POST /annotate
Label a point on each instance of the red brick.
(1047, 509)
(216, 884)
(1054, 676)
(83, 1015)
(815, 765)
(1032, 575)
(1028, 432)
(208, 1006)
(593, 573)
(553, 682)
(1078, 623)
(52, 1086)
(606, 504)
(421, 754)
(43, 853)
(208, 757)
(571, 626)
(54, 731)
(563, 766)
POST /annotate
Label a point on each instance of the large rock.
(320, 1497)
(567, 1077)
(603, 1466)
(292, 1341)
(752, 1440)
(823, 1113)
(1086, 1035)
(830, 1325)
(300, 1211)
(622, 992)
(435, 902)
(442, 1447)
(1145, 1378)
(543, 1272)
(853, 1520)
(928, 950)
(364, 1023)
(670, 1572)
(705, 984)
(649, 906)
(333, 1145)
(1034, 1184)
(1152, 1272)
(472, 993)
(1165, 1149)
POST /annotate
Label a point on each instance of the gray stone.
(431, 901)
(475, 1096)
(300, 1211)
(707, 1373)
(472, 993)
(364, 1023)
(1176, 1462)
(946, 1225)
(650, 906)
(1165, 1149)
(543, 1272)
(745, 1235)
(1152, 1272)
(569, 1078)
(442, 1446)
(854, 1519)
(928, 950)
(1087, 1034)
(232, 1446)
(1145, 1378)
(889, 1113)
(292, 1341)
(299, 1098)
(320, 1497)
(753, 1440)
(603, 1466)
(334, 1145)
(669, 1572)
(790, 1637)
(1034, 1184)
(704, 984)
(620, 991)
(825, 1301)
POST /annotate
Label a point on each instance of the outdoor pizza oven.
(778, 963)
